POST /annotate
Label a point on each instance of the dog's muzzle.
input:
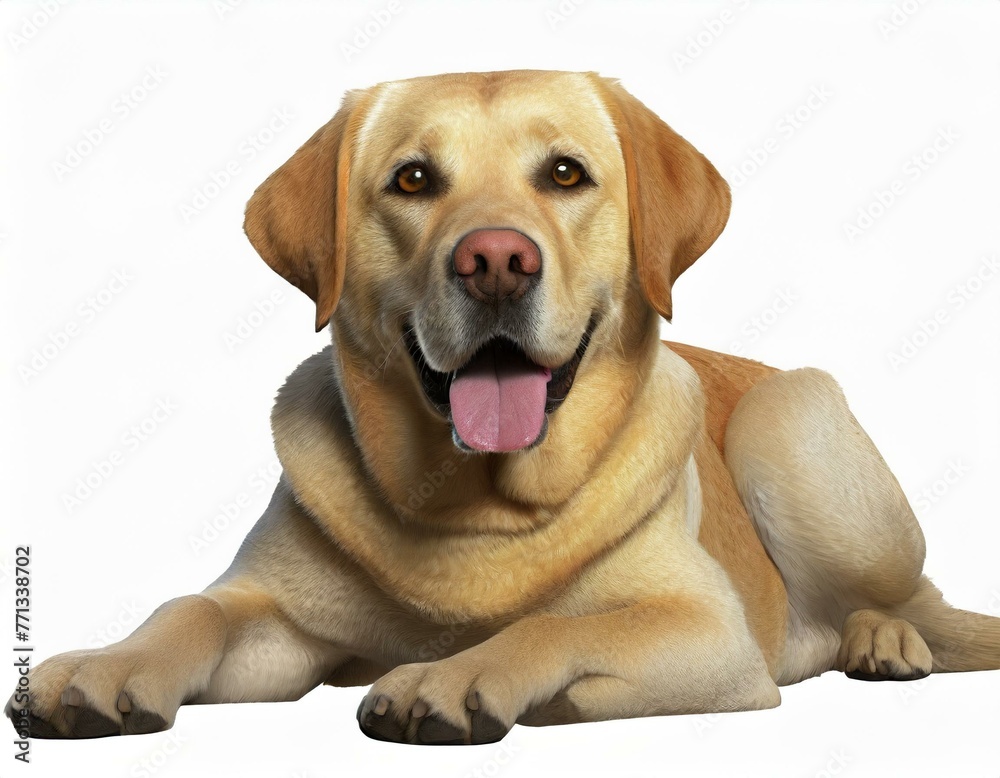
(499, 400)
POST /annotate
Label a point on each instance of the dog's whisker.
(384, 363)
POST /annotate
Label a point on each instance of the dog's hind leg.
(838, 526)
(836, 523)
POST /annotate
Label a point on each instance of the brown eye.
(411, 178)
(566, 172)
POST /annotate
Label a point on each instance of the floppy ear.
(678, 203)
(297, 219)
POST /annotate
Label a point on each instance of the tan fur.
(725, 379)
(959, 640)
(308, 246)
(693, 530)
(678, 203)
(726, 530)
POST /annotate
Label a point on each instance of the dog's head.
(492, 242)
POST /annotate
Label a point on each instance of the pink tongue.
(498, 401)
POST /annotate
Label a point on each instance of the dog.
(504, 500)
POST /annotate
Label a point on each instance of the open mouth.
(499, 400)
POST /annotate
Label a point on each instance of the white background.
(102, 565)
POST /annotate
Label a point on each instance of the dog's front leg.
(229, 644)
(671, 654)
(131, 687)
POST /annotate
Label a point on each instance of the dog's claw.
(71, 697)
(419, 709)
(379, 726)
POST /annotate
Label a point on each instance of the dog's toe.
(378, 720)
(435, 730)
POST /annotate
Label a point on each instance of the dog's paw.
(447, 702)
(87, 694)
(877, 647)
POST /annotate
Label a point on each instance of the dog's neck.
(486, 512)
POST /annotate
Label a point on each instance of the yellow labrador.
(504, 499)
